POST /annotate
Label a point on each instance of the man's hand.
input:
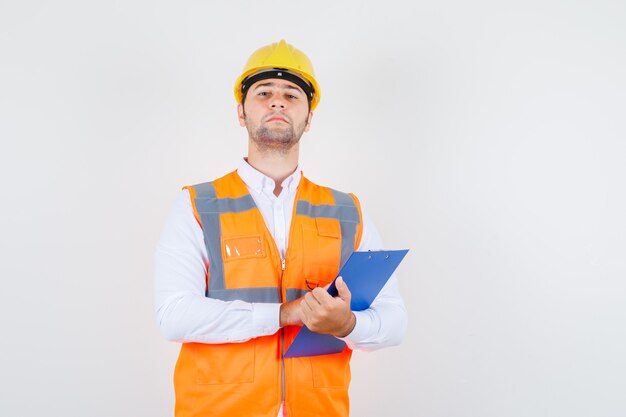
(322, 313)
(290, 313)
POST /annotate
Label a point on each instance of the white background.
(487, 136)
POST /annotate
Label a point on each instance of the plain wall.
(488, 137)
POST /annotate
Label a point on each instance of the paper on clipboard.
(365, 273)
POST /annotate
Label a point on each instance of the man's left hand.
(323, 313)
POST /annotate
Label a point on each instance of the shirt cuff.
(266, 317)
(361, 329)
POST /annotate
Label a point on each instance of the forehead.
(276, 83)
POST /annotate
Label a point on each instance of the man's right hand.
(290, 313)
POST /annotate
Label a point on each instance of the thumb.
(342, 289)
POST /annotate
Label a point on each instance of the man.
(243, 261)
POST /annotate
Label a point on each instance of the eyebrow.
(283, 86)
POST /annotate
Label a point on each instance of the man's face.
(276, 114)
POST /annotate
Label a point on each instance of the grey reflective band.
(206, 201)
(344, 210)
(249, 295)
(348, 228)
(225, 205)
(328, 211)
(295, 293)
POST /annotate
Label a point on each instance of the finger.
(305, 307)
(321, 296)
(342, 289)
(310, 299)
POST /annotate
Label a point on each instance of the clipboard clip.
(370, 256)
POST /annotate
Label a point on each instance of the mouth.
(277, 119)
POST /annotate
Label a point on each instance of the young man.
(243, 261)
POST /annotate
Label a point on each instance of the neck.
(276, 165)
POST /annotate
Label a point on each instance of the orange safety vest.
(253, 378)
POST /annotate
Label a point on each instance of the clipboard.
(365, 273)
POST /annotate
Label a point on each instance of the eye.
(262, 93)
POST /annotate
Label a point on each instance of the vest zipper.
(280, 290)
(282, 336)
(282, 264)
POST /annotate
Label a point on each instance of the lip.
(277, 119)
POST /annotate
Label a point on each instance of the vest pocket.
(331, 371)
(242, 247)
(228, 363)
(321, 243)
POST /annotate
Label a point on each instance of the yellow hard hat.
(279, 60)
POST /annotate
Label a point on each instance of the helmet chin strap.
(281, 74)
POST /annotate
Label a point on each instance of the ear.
(308, 122)
(241, 115)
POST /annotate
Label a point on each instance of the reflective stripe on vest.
(209, 207)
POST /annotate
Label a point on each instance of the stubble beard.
(275, 140)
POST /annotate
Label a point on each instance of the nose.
(277, 103)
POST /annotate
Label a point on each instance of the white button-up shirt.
(185, 314)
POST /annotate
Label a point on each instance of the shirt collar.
(258, 181)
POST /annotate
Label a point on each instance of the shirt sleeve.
(384, 323)
(184, 313)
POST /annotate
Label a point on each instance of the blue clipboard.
(365, 273)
